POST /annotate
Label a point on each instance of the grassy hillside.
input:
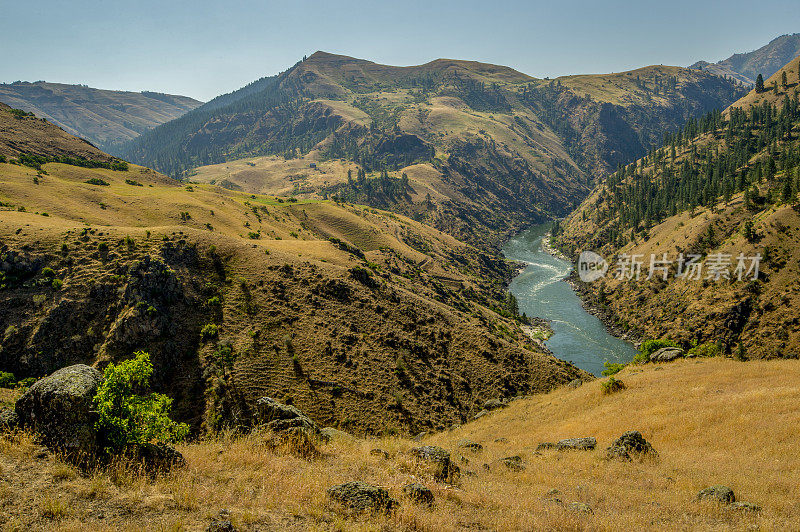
(367, 320)
(728, 184)
(103, 117)
(732, 423)
(485, 149)
(747, 66)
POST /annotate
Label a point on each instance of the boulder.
(360, 497)
(666, 354)
(720, 494)
(444, 470)
(473, 446)
(59, 409)
(575, 383)
(279, 417)
(9, 420)
(629, 446)
(380, 452)
(419, 493)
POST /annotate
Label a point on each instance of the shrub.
(708, 349)
(133, 183)
(97, 181)
(127, 414)
(224, 356)
(611, 368)
(209, 331)
(7, 380)
(214, 301)
(254, 235)
(57, 284)
(48, 272)
(649, 347)
(26, 382)
(612, 385)
(102, 247)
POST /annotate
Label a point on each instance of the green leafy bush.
(57, 284)
(708, 349)
(26, 382)
(209, 332)
(612, 385)
(649, 347)
(7, 380)
(611, 368)
(97, 181)
(127, 413)
(48, 272)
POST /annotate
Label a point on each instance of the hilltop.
(766, 60)
(726, 184)
(711, 421)
(367, 320)
(103, 117)
(476, 150)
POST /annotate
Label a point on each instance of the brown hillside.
(36, 136)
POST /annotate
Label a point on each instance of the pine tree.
(760, 83)
(784, 81)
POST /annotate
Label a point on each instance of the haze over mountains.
(103, 117)
(767, 60)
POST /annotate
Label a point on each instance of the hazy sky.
(202, 48)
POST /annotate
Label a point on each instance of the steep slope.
(765, 61)
(484, 148)
(103, 117)
(724, 185)
(715, 422)
(367, 320)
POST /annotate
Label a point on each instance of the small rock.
(418, 493)
(155, 459)
(744, 507)
(418, 437)
(721, 494)
(494, 404)
(222, 523)
(9, 420)
(332, 434)
(581, 507)
(380, 452)
(575, 383)
(514, 463)
(454, 426)
(545, 445)
(629, 446)
(501, 440)
(481, 414)
(666, 354)
(473, 446)
(361, 497)
(576, 444)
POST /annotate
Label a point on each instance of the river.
(578, 337)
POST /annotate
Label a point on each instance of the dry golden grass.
(713, 421)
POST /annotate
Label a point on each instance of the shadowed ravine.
(577, 336)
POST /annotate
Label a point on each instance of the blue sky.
(201, 48)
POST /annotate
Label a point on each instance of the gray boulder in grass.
(361, 497)
(666, 354)
(59, 409)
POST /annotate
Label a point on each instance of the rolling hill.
(103, 117)
(365, 319)
(747, 66)
(724, 185)
(484, 149)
